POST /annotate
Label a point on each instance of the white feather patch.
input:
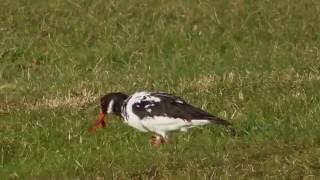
(132, 119)
(163, 124)
(110, 107)
(144, 96)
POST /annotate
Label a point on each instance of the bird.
(156, 112)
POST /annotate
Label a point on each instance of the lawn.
(254, 63)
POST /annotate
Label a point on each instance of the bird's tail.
(220, 121)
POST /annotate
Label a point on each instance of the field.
(254, 63)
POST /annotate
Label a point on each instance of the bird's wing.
(163, 104)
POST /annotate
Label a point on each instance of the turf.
(255, 63)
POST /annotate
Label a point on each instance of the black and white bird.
(156, 112)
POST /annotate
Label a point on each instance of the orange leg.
(99, 123)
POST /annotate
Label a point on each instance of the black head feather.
(111, 103)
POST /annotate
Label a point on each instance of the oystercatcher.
(156, 112)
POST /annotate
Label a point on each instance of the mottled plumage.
(156, 112)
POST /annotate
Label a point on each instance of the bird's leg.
(157, 140)
(99, 123)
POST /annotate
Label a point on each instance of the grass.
(255, 63)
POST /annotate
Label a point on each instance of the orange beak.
(99, 123)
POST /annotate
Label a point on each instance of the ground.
(254, 63)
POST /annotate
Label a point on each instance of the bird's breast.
(131, 118)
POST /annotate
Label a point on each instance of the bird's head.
(110, 104)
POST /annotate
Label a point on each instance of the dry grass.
(70, 100)
(80, 96)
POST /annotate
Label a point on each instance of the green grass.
(255, 63)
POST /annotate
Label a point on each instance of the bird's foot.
(157, 140)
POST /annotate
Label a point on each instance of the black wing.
(173, 106)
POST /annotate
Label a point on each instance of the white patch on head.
(110, 107)
(149, 110)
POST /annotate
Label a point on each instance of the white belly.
(136, 123)
(161, 124)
